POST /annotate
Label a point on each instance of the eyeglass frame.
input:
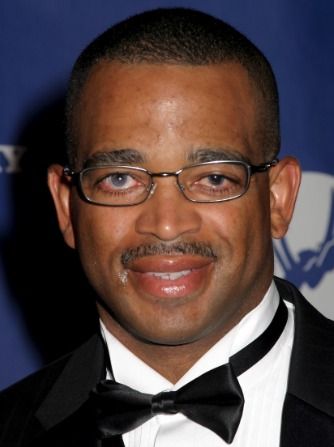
(76, 177)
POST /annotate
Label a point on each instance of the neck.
(177, 359)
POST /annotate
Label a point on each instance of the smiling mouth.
(170, 276)
(169, 271)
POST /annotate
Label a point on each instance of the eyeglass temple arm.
(264, 167)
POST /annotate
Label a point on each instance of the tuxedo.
(52, 407)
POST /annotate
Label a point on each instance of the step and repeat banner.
(46, 306)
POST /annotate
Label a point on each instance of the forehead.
(167, 110)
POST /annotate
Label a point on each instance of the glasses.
(210, 182)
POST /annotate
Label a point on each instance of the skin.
(166, 112)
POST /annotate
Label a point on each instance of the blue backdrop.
(46, 306)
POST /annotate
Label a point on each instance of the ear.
(284, 185)
(60, 188)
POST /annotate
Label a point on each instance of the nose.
(167, 214)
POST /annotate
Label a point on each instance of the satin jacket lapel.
(65, 414)
(308, 413)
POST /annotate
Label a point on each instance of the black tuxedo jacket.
(51, 408)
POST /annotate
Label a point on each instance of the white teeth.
(171, 276)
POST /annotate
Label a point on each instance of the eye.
(217, 181)
(115, 185)
(114, 181)
(210, 182)
(119, 180)
(120, 183)
(213, 180)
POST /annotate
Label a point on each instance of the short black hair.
(183, 37)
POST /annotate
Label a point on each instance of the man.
(172, 195)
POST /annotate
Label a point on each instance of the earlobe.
(285, 179)
(60, 189)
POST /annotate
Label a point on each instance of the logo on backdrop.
(10, 158)
(306, 255)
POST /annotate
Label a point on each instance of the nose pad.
(152, 190)
(167, 214)
(181, 187)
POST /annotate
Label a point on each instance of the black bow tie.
(214, 399)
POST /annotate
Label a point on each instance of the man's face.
(168, 115)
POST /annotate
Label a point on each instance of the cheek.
(225, 224)
(241, 228)
(255, 231)
(100, 234)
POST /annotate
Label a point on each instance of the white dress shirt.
(263, 385)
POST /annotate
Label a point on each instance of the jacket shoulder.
(20, 402)
(35, 383)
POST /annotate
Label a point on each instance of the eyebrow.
(115, 156)
(215, 154)
(134, 157)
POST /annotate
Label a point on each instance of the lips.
(170, 276)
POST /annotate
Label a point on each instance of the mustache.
(184, 248)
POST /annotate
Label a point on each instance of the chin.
(168, 336)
